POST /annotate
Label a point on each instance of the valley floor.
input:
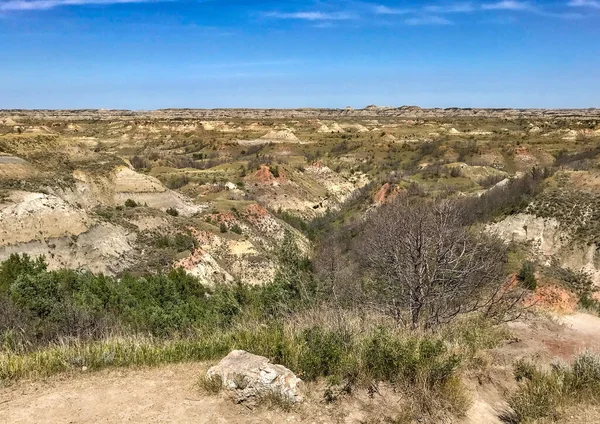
(169, 393)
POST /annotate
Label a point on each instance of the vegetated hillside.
(369, 251)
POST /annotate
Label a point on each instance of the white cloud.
(507, 5)
(384, 10)
(428, 20)
(451, 8)
(312, 16)
(16, 5)
(594, 4)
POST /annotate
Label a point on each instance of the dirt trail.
(541, 340)
(161, 395)
(166, 394)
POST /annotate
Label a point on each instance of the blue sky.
(147, 54)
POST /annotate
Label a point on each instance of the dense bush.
(66, 303)
(527, 275)
(44, 306)
(17, 265)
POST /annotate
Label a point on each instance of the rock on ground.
(252, 376)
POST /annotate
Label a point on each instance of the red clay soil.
(386, 193)
(191, 261)
(265, 176)
(255, 213)
(382, 194)
(223, 217)
(553, 298)
(524, 155)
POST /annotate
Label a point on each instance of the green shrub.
(180, 242)
(223, 227)
(37, 294)
(527, 275)
(590, 304)
(17, 265)
(175, 182)
(524, 370)
(274, 169)
(129, 203)
(586, 374)
(236, 229)
(172, 212)
(56, 304)
(546, 394)
(323, 352)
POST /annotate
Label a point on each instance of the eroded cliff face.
(550, 241)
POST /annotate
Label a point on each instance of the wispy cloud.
(252, 63)
(594, 4)
(312, 16)
(507, 5)
(26, 5)
(385, 10)
(520, 6)
(451, 8)
(428, 20)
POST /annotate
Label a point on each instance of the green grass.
(547, 394)
(112, 352)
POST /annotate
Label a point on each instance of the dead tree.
(427, 268)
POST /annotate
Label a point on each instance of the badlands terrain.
(65, 177)
(215, 192)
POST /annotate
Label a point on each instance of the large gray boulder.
(252, 376)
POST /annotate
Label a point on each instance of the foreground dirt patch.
(167, 395)
(163, 395)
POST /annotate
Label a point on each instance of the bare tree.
(338, 270)
(427, 268)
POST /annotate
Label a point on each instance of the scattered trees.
(510, 198)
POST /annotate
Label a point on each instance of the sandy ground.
(168, 394)
(541, 340)
(162, 395)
